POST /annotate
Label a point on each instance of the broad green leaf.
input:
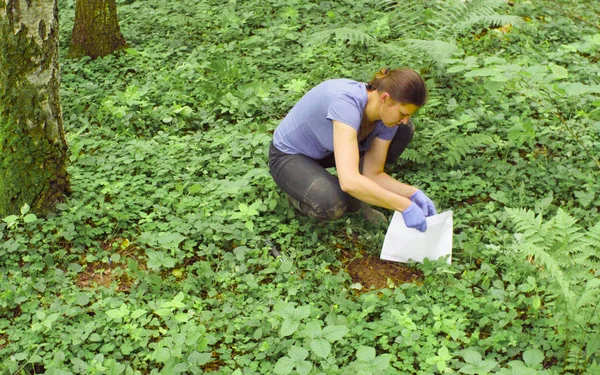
(302, 312)
(485, 72)
(182, 317)
(284, 366)
(444, 354)
(320, 347)
(382, 362)
(441, 366)
(288, 327)
(536, 303)
(472, 357)
(162, 355)
(298, 353)
(196, 188)
(312, 330)
(162, 312)
(30, 218)
(199, 359)
(558, 72)
(533, 357)
(576, 88)
(584, 197)
(303, 367)
(25, 209)
(334, 333)
(10, 219)
(116, 314)
(365, 354)
(484, 367)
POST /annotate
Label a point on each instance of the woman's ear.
(383, 98)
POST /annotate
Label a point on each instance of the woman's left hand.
(426, 204)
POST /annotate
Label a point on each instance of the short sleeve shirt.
(308, 127)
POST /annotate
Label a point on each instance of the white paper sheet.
(402, 244)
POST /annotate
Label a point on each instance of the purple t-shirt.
(308, 127)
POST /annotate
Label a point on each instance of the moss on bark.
(32, 142)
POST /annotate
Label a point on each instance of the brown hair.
(404, 85)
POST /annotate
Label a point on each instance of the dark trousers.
(316, 192)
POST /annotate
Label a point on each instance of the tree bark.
(33, 148)
(96, 31)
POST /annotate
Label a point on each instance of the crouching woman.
(357, 128)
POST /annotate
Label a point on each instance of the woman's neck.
(371, 112)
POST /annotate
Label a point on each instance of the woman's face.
(393, 113)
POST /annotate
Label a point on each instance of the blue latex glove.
(424, 203)
(414, 217)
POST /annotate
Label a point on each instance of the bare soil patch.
(372, 272)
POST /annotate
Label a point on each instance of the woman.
(356, 128)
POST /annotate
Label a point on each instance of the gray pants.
(316, 192)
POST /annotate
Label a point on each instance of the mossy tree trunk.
(96, 31)
(33, 148)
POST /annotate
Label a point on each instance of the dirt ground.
(370, 271)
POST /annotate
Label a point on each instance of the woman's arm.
(373, 163)
(368, 190)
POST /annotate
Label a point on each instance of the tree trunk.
(33, 148)
(96, 31)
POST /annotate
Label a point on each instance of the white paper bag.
(402, 244)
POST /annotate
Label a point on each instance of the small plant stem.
(558, 114)
(572, 15)
(585, 336)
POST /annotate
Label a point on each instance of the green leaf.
(320, 347)
(365, 353)
(162, 355)
(182, 317)
(284, 366)
(199, 359)
(25, 209)
(558, 72)
(334, 333)
(312, 330)
(382, 362)
(485, 72)
(484, 367)
(10, 219)
(288, 327)
(533, 357)
(30, 218)
(298, 353)
(303, 367)
(472, 357)
(536, 303)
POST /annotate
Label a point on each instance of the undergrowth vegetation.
(160, 262)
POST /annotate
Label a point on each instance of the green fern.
(463, 145)
(432, 26)
(352, 36)
(569, 256)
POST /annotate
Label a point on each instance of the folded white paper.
(402, 244)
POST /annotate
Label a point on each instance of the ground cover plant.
(162, 259)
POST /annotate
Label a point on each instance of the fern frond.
(414, 156)
(436, 50)
(524, 219)
(353, 36)
(460, 147)
(552, 266)
(493, 20)
(591, 294)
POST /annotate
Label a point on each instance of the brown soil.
(372, 272)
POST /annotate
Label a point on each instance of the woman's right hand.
(414, 217)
